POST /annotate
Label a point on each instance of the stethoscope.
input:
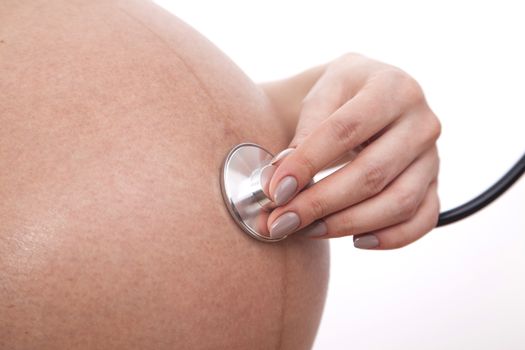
(243, 171)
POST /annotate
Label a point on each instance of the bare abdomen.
(114, 120)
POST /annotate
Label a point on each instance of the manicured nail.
(285, 190)
(317, 229)
(366, 242)
(266, 175)
(281, 155)
(285, 224)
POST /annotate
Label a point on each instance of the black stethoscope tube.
(485, 198)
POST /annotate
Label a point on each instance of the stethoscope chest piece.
(242, 189)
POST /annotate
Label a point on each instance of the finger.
(352, 154)
(397, 203)
(325, 97)
(344, 159)
(401, 235)
(370, 110)
(329, 92)
(375, 167)
(322, 100)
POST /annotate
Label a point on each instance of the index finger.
(369, 111)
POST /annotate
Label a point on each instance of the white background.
(462, 286)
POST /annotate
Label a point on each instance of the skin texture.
(387, 196)
(115, 118)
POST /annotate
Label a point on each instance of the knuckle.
(406, 204)
(430, 128)
(410, 89)
(345, 225)
(435, 127)
(318, 207)
(407, 88)
(307, 164)
(345, 131)
(374, 179)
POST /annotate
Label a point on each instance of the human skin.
(115, 118)
(386, 197)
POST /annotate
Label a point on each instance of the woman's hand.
(388, 194)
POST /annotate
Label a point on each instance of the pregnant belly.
(114, 120)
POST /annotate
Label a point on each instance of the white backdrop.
(460, 287)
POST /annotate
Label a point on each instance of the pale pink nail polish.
(366, 242)
(284, 224)
(316, 229)
(266, 176)
(285, 190)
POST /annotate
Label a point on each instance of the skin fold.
(386, 196)
(115, 117)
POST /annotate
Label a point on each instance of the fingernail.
(285, 190)
(366, 242)
(317, 229)
(281, 155)
(266, 175)
(284, 225)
